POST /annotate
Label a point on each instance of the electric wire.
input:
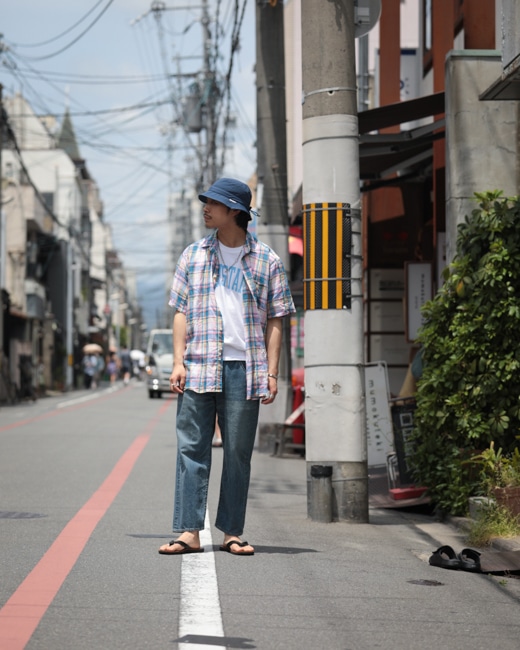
(228, 20)
(94, 136)
(93, 266)
(90, 80)
(235, 42)
(82, 252)
(39, 97)
(74, 41)
(107, 111)
(218, 31)
(155, 168)
(67, 31)
(146, 54)
(166, 126)
(175, 104)
(144, 184)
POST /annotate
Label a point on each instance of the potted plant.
(500, 476)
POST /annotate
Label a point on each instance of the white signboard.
(378, 417)
(418, 291)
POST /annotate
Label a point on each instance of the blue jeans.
(238, 419)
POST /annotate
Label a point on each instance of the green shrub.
(493, 521)
(469, 392)
(497, 470)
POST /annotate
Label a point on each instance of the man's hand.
(178, 378)
(273, 391)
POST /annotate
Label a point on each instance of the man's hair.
(242, 219)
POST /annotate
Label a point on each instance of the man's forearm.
(179, 337)
(273, 344)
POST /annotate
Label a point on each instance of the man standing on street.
(230, 294)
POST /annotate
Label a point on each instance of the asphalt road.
(86, 491)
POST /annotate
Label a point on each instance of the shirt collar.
(211, 242)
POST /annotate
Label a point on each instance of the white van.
(159, 362)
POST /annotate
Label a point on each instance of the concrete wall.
(510, 34)
(481, 137)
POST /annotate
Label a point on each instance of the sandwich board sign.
(378, 417)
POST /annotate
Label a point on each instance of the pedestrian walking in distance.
(126, 364)
(230, 294)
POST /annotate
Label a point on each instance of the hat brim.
(225, 200)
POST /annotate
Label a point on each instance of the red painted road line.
(22, 613)
(20, 423)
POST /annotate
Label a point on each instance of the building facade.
(59, 267)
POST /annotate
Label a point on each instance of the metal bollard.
(321, 493)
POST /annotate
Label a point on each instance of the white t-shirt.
(228, 292)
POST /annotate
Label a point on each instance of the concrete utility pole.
(273, 223)
(334, 367)
(69, 334)
(2, 231)
(209, 94)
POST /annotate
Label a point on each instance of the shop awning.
(382, 155)
(506, 87)
(401, 112)
(407, 153)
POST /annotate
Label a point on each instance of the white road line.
(200, 613)
(85, 398)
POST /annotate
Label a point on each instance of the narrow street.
(86, 485)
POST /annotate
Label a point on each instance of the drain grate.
(11, 514)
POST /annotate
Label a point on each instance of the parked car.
(159, 362)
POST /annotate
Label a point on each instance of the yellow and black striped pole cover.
(327, 240)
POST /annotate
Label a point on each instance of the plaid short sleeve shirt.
(266, 295)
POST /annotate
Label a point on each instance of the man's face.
(217, 215)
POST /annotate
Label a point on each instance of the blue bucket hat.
(232, 193)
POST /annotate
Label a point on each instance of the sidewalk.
(381, 498)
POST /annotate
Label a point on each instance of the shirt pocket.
(261, 290)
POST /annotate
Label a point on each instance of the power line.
(73, 42)
(68, 30)
(129, 197)
(235, 42)
(106, 111)
(94, 136)
(144, 224)
(86, 79)
(125, 204)
(38, 95)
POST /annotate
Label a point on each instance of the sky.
(108, 62)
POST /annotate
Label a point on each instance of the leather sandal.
(228, 548)
(185, 548)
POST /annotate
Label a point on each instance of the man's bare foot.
(190, 544)
(233, 544)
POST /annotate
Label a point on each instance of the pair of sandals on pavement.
(186, 548)
(446, 558)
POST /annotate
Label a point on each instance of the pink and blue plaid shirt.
(266, 295)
